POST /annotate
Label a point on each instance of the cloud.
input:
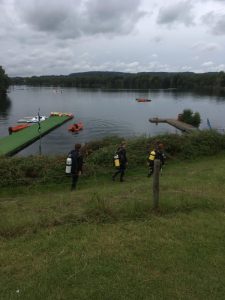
(112, 16)
(186, 68)
(54, 17)
(208, 64)
(65, 36)
(71, 19)
(206, 47)
(221, 67)
(158, 39)
(215, 21)
(178, 13)
(211, 1)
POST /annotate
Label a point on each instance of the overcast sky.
(43, 37)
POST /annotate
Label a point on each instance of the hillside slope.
(105, 242)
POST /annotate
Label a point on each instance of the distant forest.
(214, 81)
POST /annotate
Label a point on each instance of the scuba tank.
(116, 161)
(152, 155)
(68, 165)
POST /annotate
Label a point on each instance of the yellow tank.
(152, 155)
(116, 161)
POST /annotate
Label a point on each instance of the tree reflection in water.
(5, 105)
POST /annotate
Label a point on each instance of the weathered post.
(39, 131)
(157, 164)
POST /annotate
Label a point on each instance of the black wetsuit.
(76, 168)
(158, 155)
(123, 162)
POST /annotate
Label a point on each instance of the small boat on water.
(35, 119)
(61, 114)
(143, 100)
(76, 127)
(16, 128)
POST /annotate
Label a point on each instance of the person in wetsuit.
(77, 165)
(122, 156)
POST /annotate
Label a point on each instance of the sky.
(59, 37)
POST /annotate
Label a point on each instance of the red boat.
(16, 128)
(143, 100)
(76, 127)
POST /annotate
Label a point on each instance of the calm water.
(103, 113)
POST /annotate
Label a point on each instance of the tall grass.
(103, 241)
(98, 156)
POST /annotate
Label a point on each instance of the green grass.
(104, 241)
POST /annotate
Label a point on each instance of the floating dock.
(17, 141)
(175, 123)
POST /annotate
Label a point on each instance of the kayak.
(76, 127)
(17, 128)
(143, 100)
(61, 114)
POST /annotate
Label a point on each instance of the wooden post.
(157, 164)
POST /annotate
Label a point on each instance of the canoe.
(143, 100)
(76, 127)
(17, 128)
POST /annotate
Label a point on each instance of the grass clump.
(99, 210)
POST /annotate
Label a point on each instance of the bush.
(185, 146)
(32, 169)
(99, 158)
(190, 118)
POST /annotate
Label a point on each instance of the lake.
(104, 113)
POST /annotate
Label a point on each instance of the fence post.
(156, 183)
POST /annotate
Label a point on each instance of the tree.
(212, 81)
(4, 81)
(190, 118)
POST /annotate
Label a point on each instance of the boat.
(61, 114)
(76, 127)
(35, 119)
(143, 100)
(16, 128)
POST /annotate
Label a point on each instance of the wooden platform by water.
(175, 123)
(17, 141)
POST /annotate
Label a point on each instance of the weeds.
(98, 157)
(99, 210)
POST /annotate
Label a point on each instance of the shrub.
(46, 169)
(185, 146)
(190, 118)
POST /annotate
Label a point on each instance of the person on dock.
(120, 162)
(77, 165)
(156, 153)
(10, 130)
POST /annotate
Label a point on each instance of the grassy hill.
(103, 241)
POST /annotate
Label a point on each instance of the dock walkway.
(17, 141)
(175, 123)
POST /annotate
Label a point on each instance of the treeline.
(118, 80)
(4, 81)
